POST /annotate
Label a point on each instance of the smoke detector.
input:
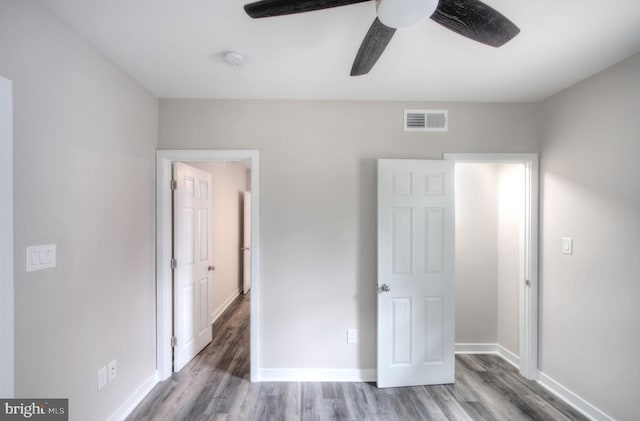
(234, 58)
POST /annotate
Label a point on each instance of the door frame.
(164, 293)
(7, 370)
(528, 296)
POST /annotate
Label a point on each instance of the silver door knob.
(385, 288)
(212, 268)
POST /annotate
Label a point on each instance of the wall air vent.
(426, 121)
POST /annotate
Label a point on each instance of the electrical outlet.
(352, 336)
(112, 371)
(102, 377)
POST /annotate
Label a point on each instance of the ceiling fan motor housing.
(403, 13)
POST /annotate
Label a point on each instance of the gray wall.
(84, 140)
(589, 310)
(476, 253)
(511, 207)
(319, 204)
(489, 209)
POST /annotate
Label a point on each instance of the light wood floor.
(216, 386)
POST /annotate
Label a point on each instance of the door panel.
(192, 239)
(415, 273)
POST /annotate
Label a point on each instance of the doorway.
(497, 234)
(164, 322)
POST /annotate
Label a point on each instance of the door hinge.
(174, 341)
(173, 184)
(527, 282)
(174, 263)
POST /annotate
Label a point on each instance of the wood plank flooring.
(216, 386)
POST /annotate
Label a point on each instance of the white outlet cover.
(352, 336)
(112, 371)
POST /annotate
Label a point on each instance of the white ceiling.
(174, 48)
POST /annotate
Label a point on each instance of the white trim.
(7, 353)
(580, 404)
(572, 399)
(135, 398)
(489, 348)
(164, 158)
(508, 356)
(223, 306)
(317, 375)
(476, 348)
(528, 306)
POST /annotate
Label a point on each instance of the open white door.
(246, 242)
(191, 242)
(415, 273)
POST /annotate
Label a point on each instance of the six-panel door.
(416, 264)
(192, 242)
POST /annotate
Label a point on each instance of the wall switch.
(567, 245)
(112, 371)
(352, 336)
(102, 377)
(41, 257)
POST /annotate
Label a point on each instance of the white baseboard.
(223, 306)
(489, 348)
(476, 348)
(509, 356)
(572, 399)
(547, 382)
(317, 375)
(135, 398)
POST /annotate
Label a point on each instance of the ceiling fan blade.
(372, 47)
(475, 20)
(268, 8)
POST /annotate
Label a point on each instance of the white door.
(246, 242)
(415, 272)
(191, 243)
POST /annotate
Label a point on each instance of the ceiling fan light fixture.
(403, 13)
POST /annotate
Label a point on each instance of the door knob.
(385, 288)
(212, 268)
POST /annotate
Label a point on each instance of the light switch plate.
(102, 377)
(41, 257)
(352, 336)
(567, 245)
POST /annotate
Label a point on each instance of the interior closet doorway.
(233, 173)
(496, 256)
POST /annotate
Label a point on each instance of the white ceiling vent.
(426, 121)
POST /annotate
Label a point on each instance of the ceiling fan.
(470, 18)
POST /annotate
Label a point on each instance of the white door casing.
(246, 242)
(164, 245)
(6, 241)
(416, 325)
(528, 291)
(192, 242)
